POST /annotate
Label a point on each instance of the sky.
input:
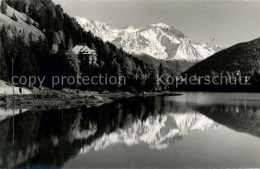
(227, 21)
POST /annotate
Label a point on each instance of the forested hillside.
(243, 57)
(171, 67)
(49, 54)
(234, 69)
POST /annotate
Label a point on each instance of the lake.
(193, 130)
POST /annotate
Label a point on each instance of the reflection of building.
(86, 54)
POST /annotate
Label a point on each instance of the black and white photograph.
(129, 84)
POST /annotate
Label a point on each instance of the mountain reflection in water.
(54, 137)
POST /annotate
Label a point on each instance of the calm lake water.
(194, 130)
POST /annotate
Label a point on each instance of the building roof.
(85, 50)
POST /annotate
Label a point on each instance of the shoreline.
(53, 99)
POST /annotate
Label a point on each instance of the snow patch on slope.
(8, 89)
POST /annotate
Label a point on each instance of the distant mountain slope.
(244, 57)
(21, 25)
(160, 41)
(171, 67)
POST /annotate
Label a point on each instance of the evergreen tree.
(151, 82)
(50, 18)
(118, 74)
(127, 67)
(14, 17)
(24, 59)
(93, 47)
(3, 6)
(3, 67)
(59, 19)
(70, 44)
(28, 20)
(19, 5)
(256, 75)
(6, 48)
(42, 20)
(161, 74)
(161, 70)
(5, 38)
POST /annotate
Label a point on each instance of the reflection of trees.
(47, 137)
(26, 128)
(33, 133)
(43, 137)
(240, 118)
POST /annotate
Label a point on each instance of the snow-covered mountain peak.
(161, 41)
(86, 21)
(129, 27)
(161, 25)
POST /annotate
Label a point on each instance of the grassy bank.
(51, 99)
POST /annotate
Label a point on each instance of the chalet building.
(86, 54)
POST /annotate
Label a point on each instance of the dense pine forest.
(50, 55)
